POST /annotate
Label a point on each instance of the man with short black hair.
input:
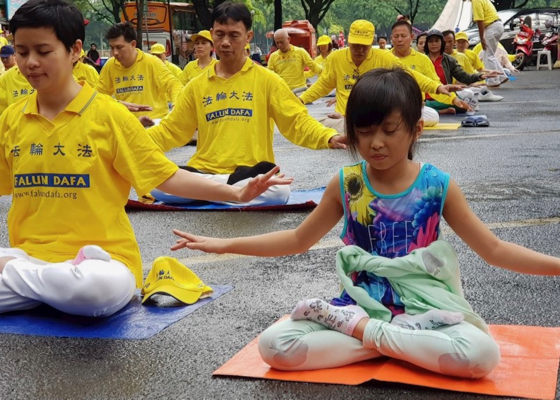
(137, 79)
(235, 104)
(382, 42)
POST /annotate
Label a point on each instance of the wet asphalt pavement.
(510, 174)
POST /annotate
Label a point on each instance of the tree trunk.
(315, 10)
(277, 14)
(139, 23)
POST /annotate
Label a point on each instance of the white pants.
(93, 288)
(469, 96)
(275, 195)
(338, 124)
(430, 116)
(459, 350)
(492, 35)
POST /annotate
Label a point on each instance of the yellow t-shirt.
(13, 87)
(235, 119)
(421, 63)
(319, 60)
(3, 41)
(341, 74)
(291, 64)
(147, 81)
(475, 61)
(70, 178)
(175, 70)
(463, 61)
(84, 72)
(484, 10)
(192, 70)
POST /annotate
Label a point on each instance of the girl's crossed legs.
(460, 350)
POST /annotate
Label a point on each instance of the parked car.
(512, 18)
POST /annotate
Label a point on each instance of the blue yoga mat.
(299, 199)
(135, 321)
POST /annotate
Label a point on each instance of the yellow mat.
(448, 126)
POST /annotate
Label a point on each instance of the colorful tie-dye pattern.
(389, 225)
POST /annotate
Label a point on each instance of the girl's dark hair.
(63, 18)
(375, 96)
(124, 29)
(234, 11)
(420, 35)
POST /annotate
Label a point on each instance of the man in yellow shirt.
(346, 65)
(290, 61)
(480, 87)
(490, 30)
(462, 45)
(7, 55)
(158, 50)
(13, 87)
(132, 76)
(382, 43)
(68, 157)
(3, 40)
(85, 72)
(401, 38)
(234, 105)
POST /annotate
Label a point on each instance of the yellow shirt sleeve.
(5, 170)
(324, 85)
(105, 82)
(93, 76)
(3, 95)
(178, 127)
(167, 81)
(426, 84)
(271, 65)
(309, 63)
(138, 160)
(294, 121)
(429, 70)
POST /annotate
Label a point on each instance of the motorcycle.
(523, 46)
(550, 41)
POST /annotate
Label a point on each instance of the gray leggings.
(460, 350)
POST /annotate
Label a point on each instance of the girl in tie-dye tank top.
(392, 206)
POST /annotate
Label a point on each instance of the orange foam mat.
(443, 126)
(529, 367)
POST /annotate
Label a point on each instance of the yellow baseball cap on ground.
(169, 277)
(324, 40)
(203, 34)
(461, 35)
(157, 48)
(361, 32)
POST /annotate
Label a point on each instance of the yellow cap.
(157, 48)
(324, 40)
(361, 32)
(203, 34)
(247, 46)
(461, 35)
(168, 276)
(82, 53)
